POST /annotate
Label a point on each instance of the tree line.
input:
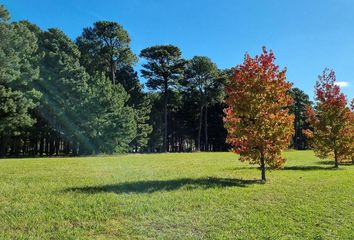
(65, 97)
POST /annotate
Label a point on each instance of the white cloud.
(342, 84)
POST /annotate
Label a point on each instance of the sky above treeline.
(306, 36)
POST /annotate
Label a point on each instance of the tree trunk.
(165, 116)
(113, 72)
(3, 147)
(263, 167)
(336, 159)
(200, 129)
(206, 128)
(41, 144)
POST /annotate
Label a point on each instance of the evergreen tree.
(87, 111)
(155, 141)
(217, 132)
(64, 84)
(163, 69)
(298, 108)
(105, 48)
(17, 96)
(203, 79)
(4, 14)
(112, 126)
(140, 102)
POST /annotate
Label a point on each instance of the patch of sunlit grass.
(174, 196)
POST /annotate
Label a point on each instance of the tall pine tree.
(140, 102)
(162, 70)
(17, 72)
(203, 80)
(105, 48)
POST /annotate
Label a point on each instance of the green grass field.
(174, 196)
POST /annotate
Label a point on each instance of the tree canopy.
(332, 121)
(65, 97)
(163, 70)
(105, 48)
(257, 118)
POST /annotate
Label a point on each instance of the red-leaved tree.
(257, 119)
(332, 121)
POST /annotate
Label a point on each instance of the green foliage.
(204, 81)
(202, 77)
(64, 84)
(163, 70)
(140, 102)
(17, 96)
(105, 48)
(4, 14)
(298, 108)
(155, 140)
(86, 111)
(174, 196)
(113, 124)
(164, 66)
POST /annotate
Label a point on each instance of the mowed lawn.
(174, 196)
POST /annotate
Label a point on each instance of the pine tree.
(4, 14)
(105, 48)
(64, 84)
(112, 126)
(17, 96)
(298, 108)
(140, 102)
(203, 79)
(163, 70)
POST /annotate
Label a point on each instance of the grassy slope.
(174, 196)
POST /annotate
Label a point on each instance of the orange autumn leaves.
(259, 124)
(332, 121)
(257, 118)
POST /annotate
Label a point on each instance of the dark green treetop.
(18, 46)
(163, 69)
(140, 102)
(105, 47)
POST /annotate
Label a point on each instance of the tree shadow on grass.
(309, 168)
(241, 168)
(165, 185)
(329, 162)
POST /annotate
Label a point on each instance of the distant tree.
(105, 48)
(332, 121)
(64, 84)
(4, 14)
(298, 108)
(112, 126)
(140, 102)
(163, 69)
(257, 118)
(18, 46)
(216, 130)
(155, 141)
(87, 113)
(203, 80)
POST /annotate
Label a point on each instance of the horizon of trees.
(64, 97)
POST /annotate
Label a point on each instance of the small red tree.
(332, 121)
(257, 119)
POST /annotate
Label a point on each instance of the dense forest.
(60, 96)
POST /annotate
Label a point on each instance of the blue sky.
(306, 36)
